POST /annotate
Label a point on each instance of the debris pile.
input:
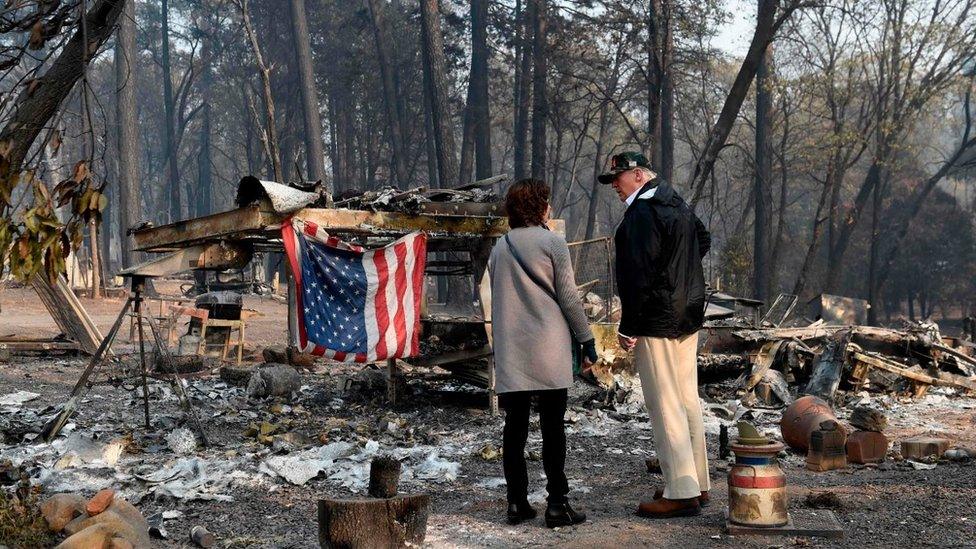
(821, 360)
(385, 199)
(259, 440)
(290, 198)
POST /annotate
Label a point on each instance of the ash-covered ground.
(268, 461)
(256, 484)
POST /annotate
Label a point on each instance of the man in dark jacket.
(660, 245)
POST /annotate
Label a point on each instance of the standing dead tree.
(762, 179)
(476, 143)
(660, 87)
(172, 148)
(540, 102)
(314, 152)
(384, 54)
(438, 98)
(771, 16)
(270, 138)
(130, 207)
(523, 84)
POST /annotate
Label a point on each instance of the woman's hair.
(526, 203)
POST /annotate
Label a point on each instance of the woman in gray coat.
(537, 317)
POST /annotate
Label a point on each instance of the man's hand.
(626, 343)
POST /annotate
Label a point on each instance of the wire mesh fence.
(593, 263)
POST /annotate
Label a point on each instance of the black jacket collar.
(664, 193)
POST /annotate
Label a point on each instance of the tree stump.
(391, 522)
(384, 477)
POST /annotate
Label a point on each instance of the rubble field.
(270, 459)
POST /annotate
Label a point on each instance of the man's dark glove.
(589, 351)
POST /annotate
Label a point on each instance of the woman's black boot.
(518, 512)
(561, 514)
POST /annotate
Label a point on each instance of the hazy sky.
(734, 37)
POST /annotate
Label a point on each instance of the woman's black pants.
(552, 409)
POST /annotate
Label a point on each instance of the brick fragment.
(923, 447)
(866, 447)
(827, 448)
(100, 501)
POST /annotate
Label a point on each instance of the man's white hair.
(648, 172)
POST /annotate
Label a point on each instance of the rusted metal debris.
(256, 223)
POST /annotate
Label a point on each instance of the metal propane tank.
(757, 486)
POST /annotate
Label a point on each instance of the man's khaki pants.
(669, 376)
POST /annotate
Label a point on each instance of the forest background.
(828, 145)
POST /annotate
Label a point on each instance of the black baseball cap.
(622, 162)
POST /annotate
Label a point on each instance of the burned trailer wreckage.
(461, 226)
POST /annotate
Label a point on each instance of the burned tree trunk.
(384, 57)
(314, 152)
(762, 180)
(392, 522)
(389, 521)
(777, 238)
(204, 205)
(433, 52)
(172, 149)
(476, 144)
(433, 181)
(130, 210)
(204, 202)
(96, 260)
(523, 90)
(466, 166)
(479, 84)
(384, 477)
(597, 169)
(540, 102)
(660, 88)
(341, 109)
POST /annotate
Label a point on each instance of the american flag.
(354, 304)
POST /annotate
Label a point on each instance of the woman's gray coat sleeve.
(566, 293)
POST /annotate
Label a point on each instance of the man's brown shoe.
(667, 508)
(703, 498)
